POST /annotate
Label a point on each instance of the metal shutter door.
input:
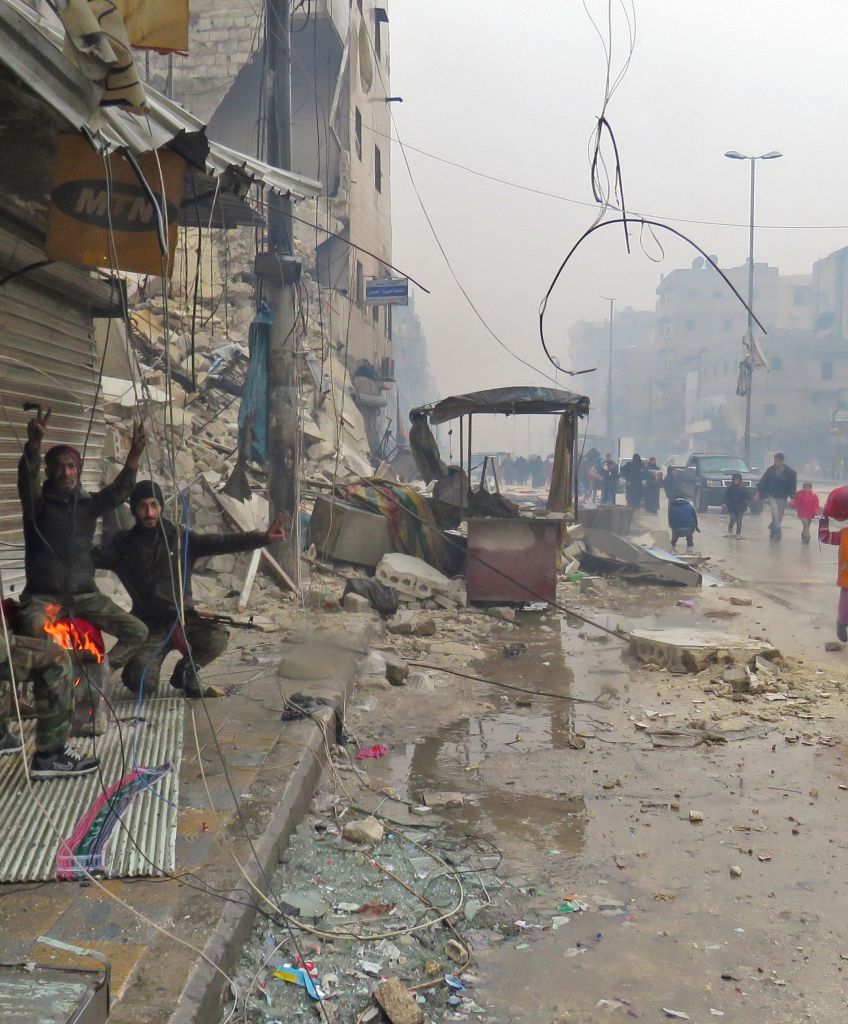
(47, 355)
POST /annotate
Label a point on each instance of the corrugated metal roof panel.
(28, 843)
(32, 48)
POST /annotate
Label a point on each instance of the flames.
(73, 634)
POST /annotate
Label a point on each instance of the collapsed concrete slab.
(654, 563)
(691, 650)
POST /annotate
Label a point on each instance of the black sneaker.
(9, 742)
(60, 764)
(185, 678)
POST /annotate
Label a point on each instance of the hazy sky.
(514, 89)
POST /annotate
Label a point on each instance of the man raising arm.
(152, 560)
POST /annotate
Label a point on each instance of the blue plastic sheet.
(253, 412)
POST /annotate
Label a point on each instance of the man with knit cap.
(59, 521)
(154, 560)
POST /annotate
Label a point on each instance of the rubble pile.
(185, 376)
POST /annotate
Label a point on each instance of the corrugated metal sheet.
(145, 843)
(32, 47)
(47, 355)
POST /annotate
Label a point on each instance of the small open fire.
(74, 634)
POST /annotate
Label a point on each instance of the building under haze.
(675, 370)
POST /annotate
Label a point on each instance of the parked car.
(704, 477)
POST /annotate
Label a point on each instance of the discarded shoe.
(9, 742)
(60, 764)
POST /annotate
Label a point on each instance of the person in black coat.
(779, 483)
(634, 476)
(609, 481)
(736, 503)
(151, 560)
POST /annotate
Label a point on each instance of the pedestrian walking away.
(609, 481)
(634, 476)
(683, 522)
(651, 487)
(778, 484)
(736, 504)
(806, 503)
(671, 485)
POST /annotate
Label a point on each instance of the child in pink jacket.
(807, 506)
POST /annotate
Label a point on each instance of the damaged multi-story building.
(341, 136)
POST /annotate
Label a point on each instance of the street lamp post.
(609, 370)
(747, 362)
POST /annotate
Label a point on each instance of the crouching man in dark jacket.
(153, 560)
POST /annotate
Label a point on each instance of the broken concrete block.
(368, 831)
(403, 624)
(221, 563)
(425, 625)
(412, 576)
(407, 623)
(398, 1003)
(397, 669)
(437, 800)
(738, 678)
(692, 650)
(507, 614)
(743, 602)
(356, 603)
(421, 681)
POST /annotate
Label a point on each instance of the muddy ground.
(735, 915)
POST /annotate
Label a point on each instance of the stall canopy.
(513, 401)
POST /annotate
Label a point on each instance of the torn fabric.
(96, 41)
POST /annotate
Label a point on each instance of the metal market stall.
(511, 557)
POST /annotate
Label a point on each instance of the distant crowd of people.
(644, 480)
(523, 472)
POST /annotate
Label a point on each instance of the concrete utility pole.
(609, 371)
(279, 272)
(748, 361)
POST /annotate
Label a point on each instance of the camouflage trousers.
(49, 669)
(95, 608)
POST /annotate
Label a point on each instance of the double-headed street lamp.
(747, 366)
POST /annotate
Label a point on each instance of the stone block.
(397, 669)
(738, 678)
(398, 1003)
(367, 831)
(506, 614)
(221, 563)
(356, 603)
(436, 800)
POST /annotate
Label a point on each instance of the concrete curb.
(204, 990)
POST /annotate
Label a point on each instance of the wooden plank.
(244, 596)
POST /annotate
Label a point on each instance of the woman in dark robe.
(651, 487)
(634, 477)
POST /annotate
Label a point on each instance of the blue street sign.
(387, 292)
